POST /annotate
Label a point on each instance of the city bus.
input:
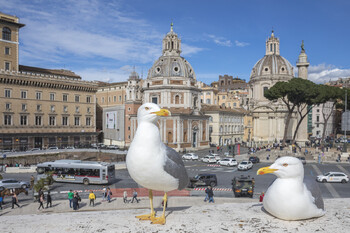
(77, 171)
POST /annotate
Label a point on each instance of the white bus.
(77, 171)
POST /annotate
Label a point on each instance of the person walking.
(70, 198)
(79, 199)
(41, 202)
(15, 200)
(211, 195)
(134, 197)
(109, 194)
(104, 193)
(261, 198)
(32, 179)
(49, 200)
(1, 199)
(206, 194)
(75, 201)
(92, 198)
(125, 196)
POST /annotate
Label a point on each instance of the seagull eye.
(147, 108)
(285, 165)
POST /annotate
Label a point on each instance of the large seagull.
(290, 197)
(152, 164)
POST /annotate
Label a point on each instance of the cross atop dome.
(272, 45)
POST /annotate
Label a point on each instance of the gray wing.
(175, 167)
(313, 187)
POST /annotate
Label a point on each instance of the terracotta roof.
(38, 70)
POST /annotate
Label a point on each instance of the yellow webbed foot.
(150, 216)
(158, 220)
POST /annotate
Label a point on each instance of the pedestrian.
(32, 179)
(75, 201)
(109, 194)
(104, 193)
(41, 201)
(49, 200)
(1, 199)
(134, 197)
(125, 196)
(206, 194)
(14, 200)
(261, 198)
(211, 194)
(70, 198)
(92, 198)
(79, 198)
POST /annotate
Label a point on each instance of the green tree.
(305, 94)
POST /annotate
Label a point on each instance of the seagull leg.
(152, 215)
(161, 219)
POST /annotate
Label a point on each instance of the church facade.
(269, 117)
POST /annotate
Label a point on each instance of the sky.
(105, 40)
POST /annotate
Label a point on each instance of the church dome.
(272, 63)
(171, 64)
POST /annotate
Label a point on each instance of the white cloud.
(220, 40)
(323, 73)
(241, 44)
(188, 50)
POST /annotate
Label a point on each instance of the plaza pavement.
(184, 214)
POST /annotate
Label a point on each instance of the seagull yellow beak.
(163, 112)
(265, 170)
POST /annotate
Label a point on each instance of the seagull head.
(285, 167)
(151, 112)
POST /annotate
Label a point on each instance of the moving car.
(245, 165)
(333, 177)
(254, 159)
(228, 162)
(209, 159)
(190, 156)
(243, 186)
(217, 157)
(70, 147)
(53, 148)
(11, 183)
(203, 180)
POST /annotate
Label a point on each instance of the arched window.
(220, 129)
(6, 33)
(177, 99)
(265, 89)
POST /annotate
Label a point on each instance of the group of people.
(74, 199)
(42, 200)
(209, 194)
(134, 197)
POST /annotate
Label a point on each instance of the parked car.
(203, 180)
(254, 159)
(53, 148)
(228, 162)
(70, 147)
(333, 177)
(209, 159)
(245, 165)
(11, 183)
(112, 147)
(190, 156)
(217, 157)
(243, 186)
(302, 159)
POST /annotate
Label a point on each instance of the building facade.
(40, 107)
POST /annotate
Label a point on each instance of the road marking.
(214, 189)
(343, 170)
(330, 188)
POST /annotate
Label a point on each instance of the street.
(224, 176)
